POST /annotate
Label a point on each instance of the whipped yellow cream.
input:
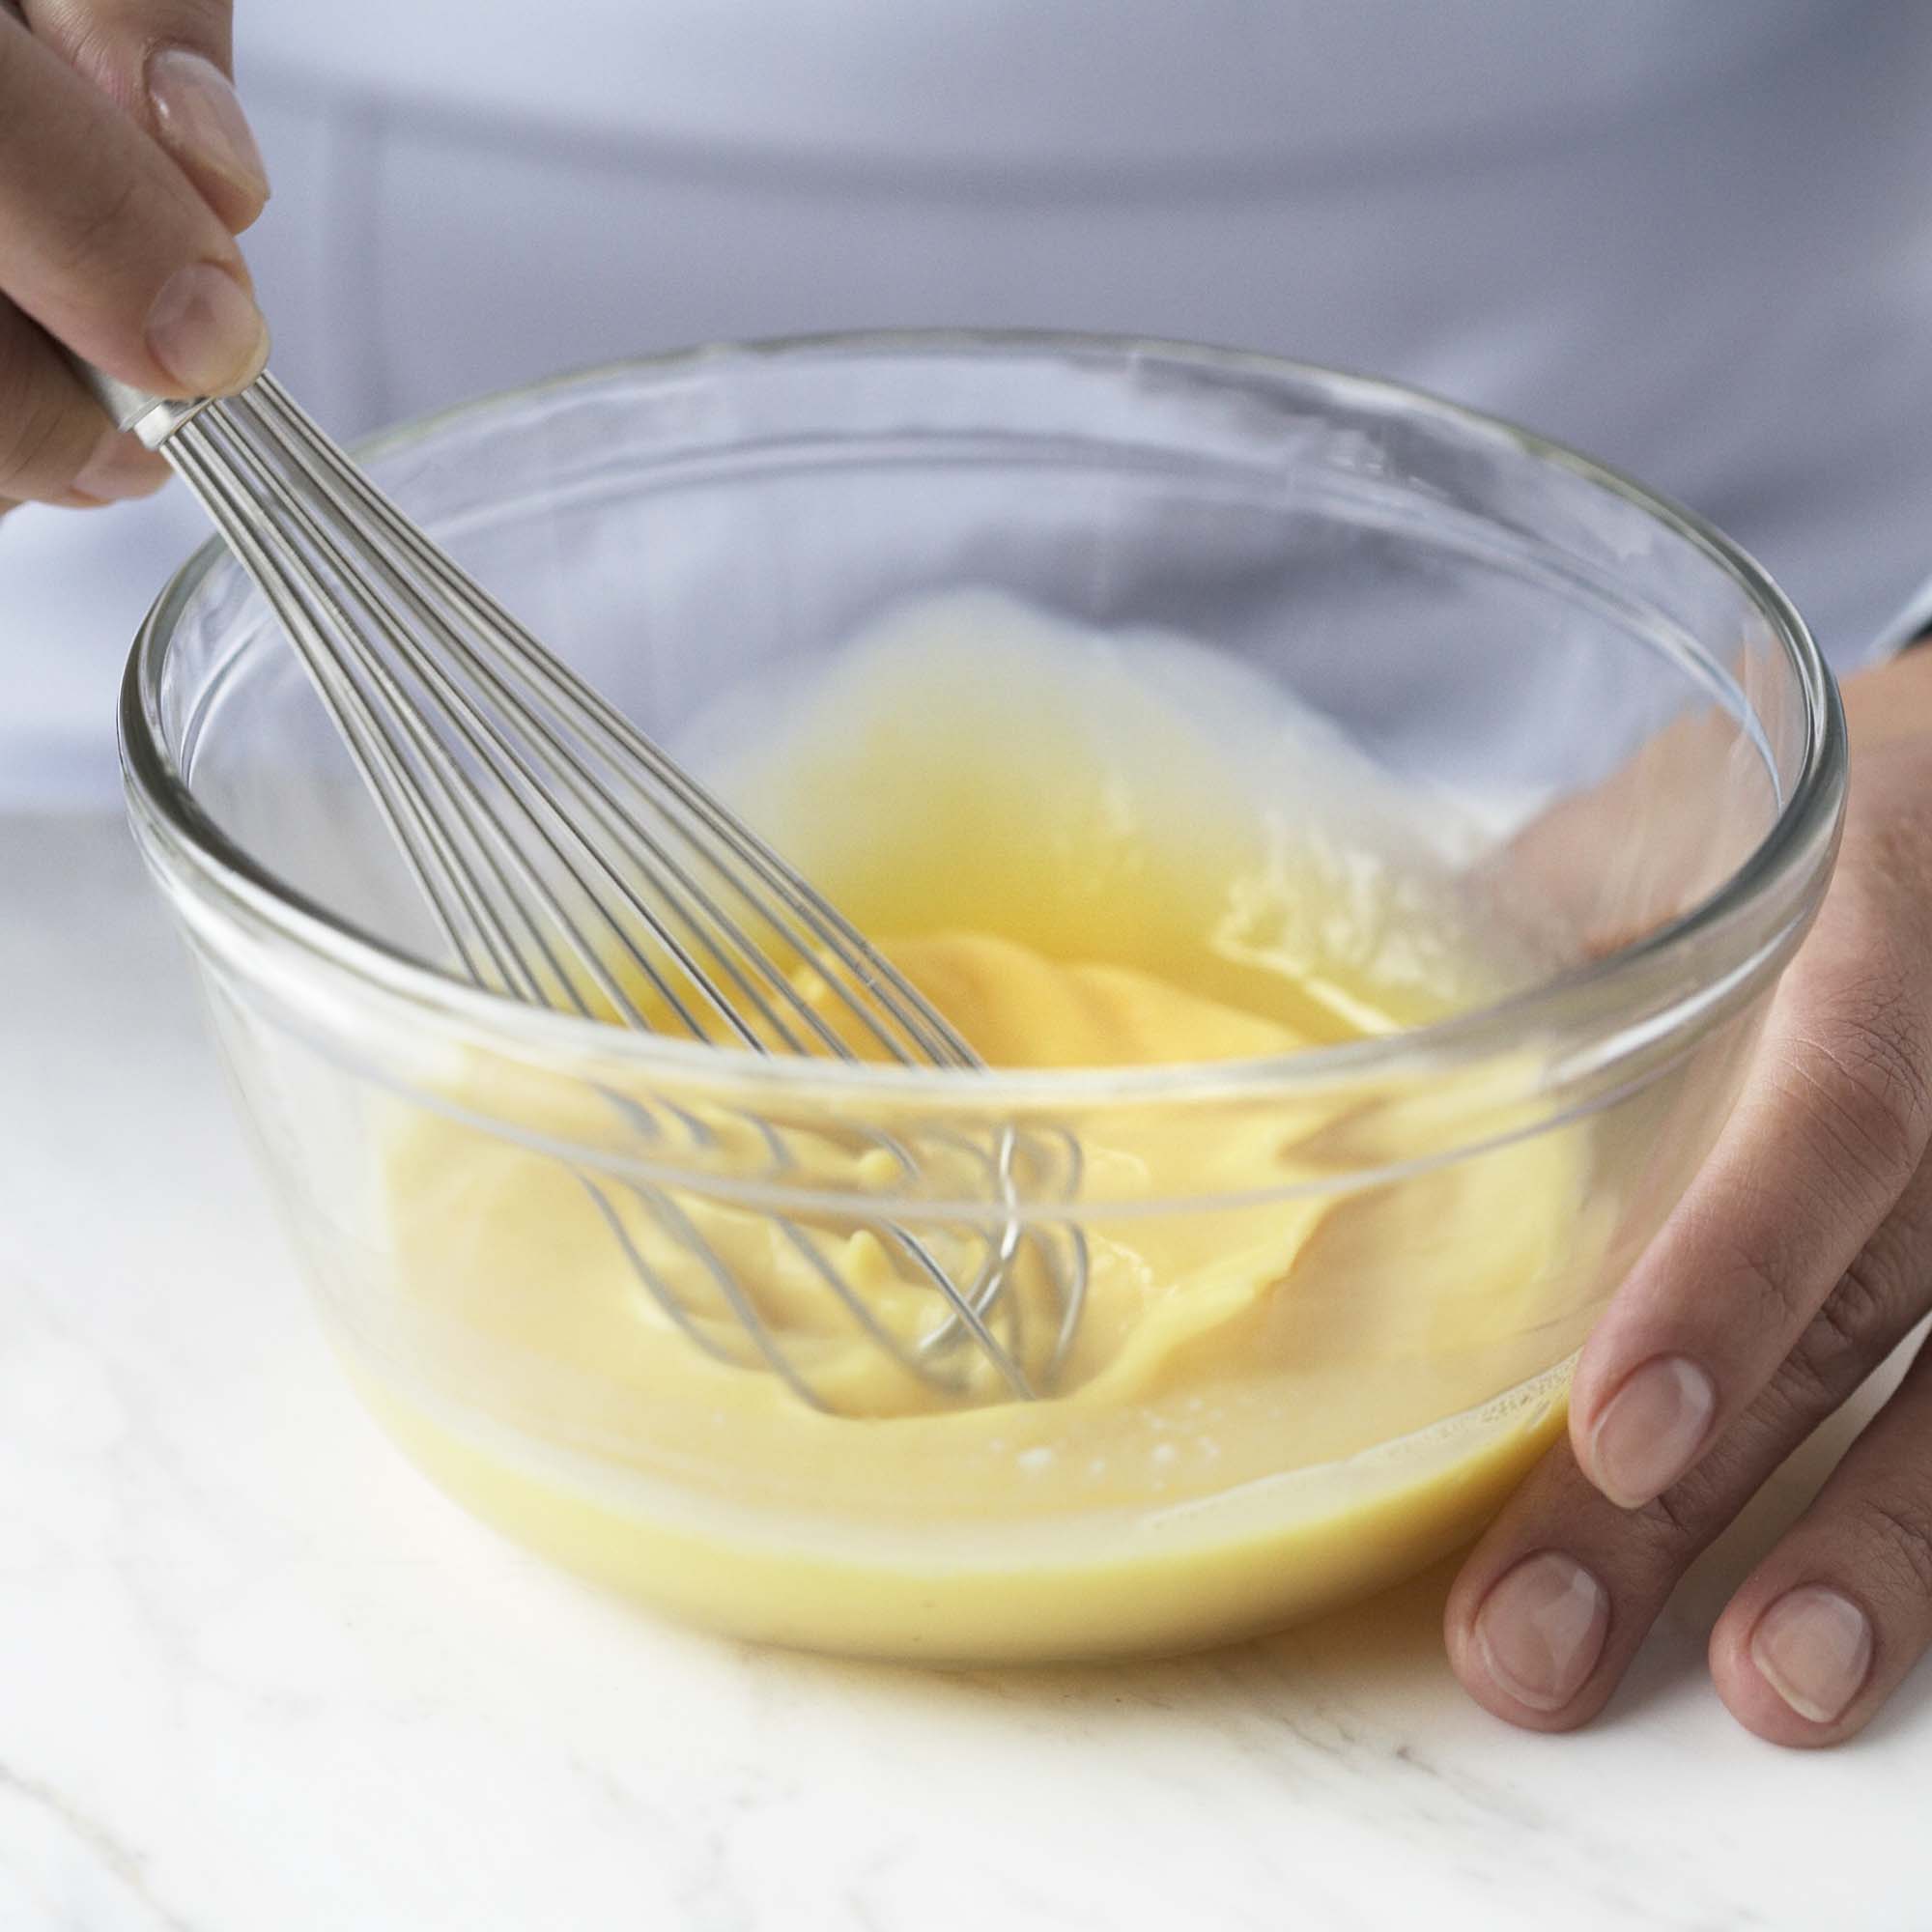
(1088, 853)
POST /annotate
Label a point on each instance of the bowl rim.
(1795, 852)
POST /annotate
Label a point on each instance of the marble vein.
(127, 1867)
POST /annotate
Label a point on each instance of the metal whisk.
(570, 862)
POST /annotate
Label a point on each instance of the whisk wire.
(528, 660)
(368, 737)
(724, 939)
(470, 805)
(550, 837)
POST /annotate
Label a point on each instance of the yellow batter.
(1084, 853)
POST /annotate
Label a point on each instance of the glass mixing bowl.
(1622, 703)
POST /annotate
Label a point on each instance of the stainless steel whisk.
(551, 840)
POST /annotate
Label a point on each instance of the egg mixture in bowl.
(1358, 838)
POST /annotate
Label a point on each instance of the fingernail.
(206, 331)
(120, 467)
(1541, 1629)
(1814, 1648)
(201, 119)
(1653, 1427)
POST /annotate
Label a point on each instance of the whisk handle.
(152, 418)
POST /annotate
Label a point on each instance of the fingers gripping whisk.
(570, 862)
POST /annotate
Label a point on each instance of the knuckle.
(1677, 1521)
(1645, 1552)
(1763, 1285)
(1899, 1535)
(1672, 1528)
(1865, 1094)
(1856, 1325)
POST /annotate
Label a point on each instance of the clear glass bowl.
(1619, 696)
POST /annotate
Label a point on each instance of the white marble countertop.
(255, 1673)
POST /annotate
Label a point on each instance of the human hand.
(1798, 1259)
(126, 172)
